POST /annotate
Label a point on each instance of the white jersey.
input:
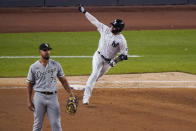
(109, 44)
(44, 78)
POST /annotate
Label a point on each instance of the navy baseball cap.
(44, 46)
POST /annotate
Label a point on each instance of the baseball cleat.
(85, 103)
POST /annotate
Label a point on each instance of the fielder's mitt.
(72, 104)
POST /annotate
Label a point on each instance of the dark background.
(43, 3)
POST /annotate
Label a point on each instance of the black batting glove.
(112, 63)
(81, 9)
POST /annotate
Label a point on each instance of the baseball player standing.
(42, 79)
(111, 43)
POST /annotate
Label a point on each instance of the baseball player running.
(42, 79)
(111, 43)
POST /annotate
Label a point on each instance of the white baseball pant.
(99, 68)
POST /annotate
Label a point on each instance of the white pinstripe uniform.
(109, 46)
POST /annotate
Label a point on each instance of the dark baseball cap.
(45, 46)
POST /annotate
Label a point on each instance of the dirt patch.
(110, 110)
(116, 109)
(69, 19)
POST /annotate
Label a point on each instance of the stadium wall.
(45, 3)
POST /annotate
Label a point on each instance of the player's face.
(45, 54)
(113, 29)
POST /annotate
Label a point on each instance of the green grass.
(161, 51)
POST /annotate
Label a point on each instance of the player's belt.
(106, 59)
(47, 93)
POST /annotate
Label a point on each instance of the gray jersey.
(44, 78)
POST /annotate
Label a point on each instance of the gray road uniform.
(44, 80)
(109, 46)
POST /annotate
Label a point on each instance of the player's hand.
(81, 9)
(112, 63)
(31, 106)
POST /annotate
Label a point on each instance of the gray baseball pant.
(46, 104)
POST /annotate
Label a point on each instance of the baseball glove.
(72, 105)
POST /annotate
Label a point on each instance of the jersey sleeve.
(31, 76)
(100, 26)
(123, 47)
(60, 72)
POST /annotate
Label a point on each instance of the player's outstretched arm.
(91, 18)
(65, 84)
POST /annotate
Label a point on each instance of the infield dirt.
(112, 109)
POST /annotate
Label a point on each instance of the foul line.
(27, 57)
(137, 81)
(82, 87)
